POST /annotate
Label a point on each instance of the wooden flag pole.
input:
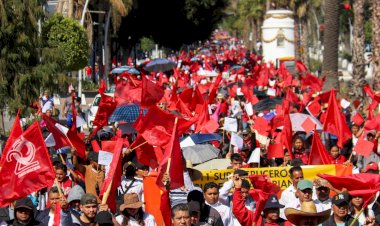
(139, 145)
(62, 160)
(58, 187)
(107, 193)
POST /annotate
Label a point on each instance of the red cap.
(371, 166)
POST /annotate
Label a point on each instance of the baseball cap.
(304, 184)
(371, 166)
(24, 203)
(88, 199)
(340, 199)
(241, 173)
(272, 203)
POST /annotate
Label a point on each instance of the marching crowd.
(260, 98)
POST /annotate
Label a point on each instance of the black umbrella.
(267, 104)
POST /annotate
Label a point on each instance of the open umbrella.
(214, 164)
(267, 104)
(125, 113)
(199, 138)
(200, 153)
(298, 119)
(160, 64)
(128, 69)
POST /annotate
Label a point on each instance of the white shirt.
(225, 213)
(137, 187)
(288, 195)
(148, 220)
(322, 206)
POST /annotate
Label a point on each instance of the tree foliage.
(70, 39)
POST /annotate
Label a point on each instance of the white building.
(278, 35)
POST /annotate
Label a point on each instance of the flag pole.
(138, 146)
(107, 193)
(58, 187)
(170, 159)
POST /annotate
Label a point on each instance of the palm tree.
(330, 43)
(376, 43)
(358, 48)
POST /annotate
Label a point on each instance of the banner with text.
(278, 175)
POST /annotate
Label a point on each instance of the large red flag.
(16, 131)
(360, 181)
(286, 133)
(128, 90)
(165, 207)
(172, 162)
(318, 153)
(335, 122)
(214, 88)
(157, 125)
(57, 215)
(151, 93)
(113, 176)
(59, 138)
(26, 166)
(145, 153)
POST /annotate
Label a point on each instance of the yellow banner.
(278, 175)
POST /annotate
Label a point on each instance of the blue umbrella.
(200, 138)
(128, 69)
(125, 113)
(194, 59)
(160, 64)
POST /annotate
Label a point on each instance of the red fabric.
(242, 214)
(339, 160)
(19, 179)
(145, 154)
(77, 143)
(358, 119)
(311, 81)
(113, 176)
(367, 89)
(157, 125)
(373, 124)
(151, 93)
(303, 156)
(360, 181)
(173, 155)
(308, 125)
(292, 97)
(335, 122)
(57, 215)
(301, 67)
(318, 153)
(60, 139)
(214, 89)
(286, 132)
(275, 151)
(165, 207)
(248, 93)
(106, 107)
(262, 126)
(127, 91)
(16, 131)
(95, 146)
(364, 147)
(314, 108)
(109, 146)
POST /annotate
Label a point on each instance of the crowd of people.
(243, 81)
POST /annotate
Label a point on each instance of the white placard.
(230, 124)
(187, 142)
(105, 158)
(272, 82)
(62, 128)
(271, 92)
(49, 141)
(255, 156)
(238, 92)
(248, 108)
(344, 103)
(237, 141)
(80, 121)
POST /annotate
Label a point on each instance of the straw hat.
(131, 200)
(308, 212)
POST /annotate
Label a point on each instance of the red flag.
(151, 93)
(359, 181)
(308, 125)
(26, 166)
(102, 87)
(77, 143)
(145, 153)
(292, 97)
(95, 146)
(275, 151)
(314, 108)
(113, 177)
(59, 137)
(248, 93)
(128, 90)
(214, 89)
(57, 214)
(367, 89)
(16, 131)
(311, 81)
(286, 132)
(363, 147)
(157, 125)
(358, 119)
(106, 107)
(318, 153)
(165, 207)
(262, 126)
(109, 145)
(301, 67)
(74, 125)
(172, 162)
(335, 122)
